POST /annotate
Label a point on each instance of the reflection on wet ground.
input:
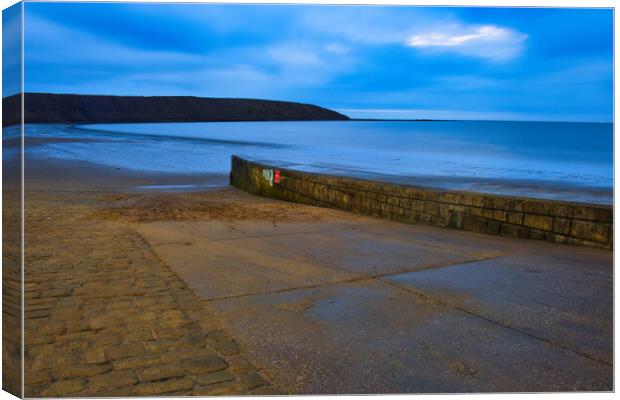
(184, 188)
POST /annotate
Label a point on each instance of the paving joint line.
(448, 248)
(265, 236)
(492, 321)
(337, 282)
(364, 229)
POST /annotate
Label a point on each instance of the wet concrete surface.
(544, 297)
(351, 304)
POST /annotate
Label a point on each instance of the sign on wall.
(271, 176)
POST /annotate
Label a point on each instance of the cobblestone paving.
(11, 291)
(105, 317)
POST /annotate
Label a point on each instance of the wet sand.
(68, 142)
(54, 174)
(241, 294)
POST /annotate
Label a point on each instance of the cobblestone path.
(105, 317)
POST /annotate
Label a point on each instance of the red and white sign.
(276, 176)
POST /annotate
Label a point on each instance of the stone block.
(136, 362)
(515, 218)
(474, 223)
(162, 387)
(514, 231)
(477, 211)
(346, 201)
(557, 238)
(456, 219)
(417, 205)
(472, 199)
(493, 227)
(535, 207)
(451, 198)
(541, 222)
(225, 347)
(498, 215)
(431, 207)
(82, 370)
(508, 204)
(538, 234)
(112, 380)
(125, 350)
(160, 372)
(253, 380)
(546, 207)
(204, 365)
(592, 231)
(593, 213)
(561, 225)
(64, 387)
(582, 242)
(186, 354)
(215, 377)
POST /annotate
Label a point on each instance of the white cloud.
(337, 48)
(426, 30)
(294, 55)
(484, 32)
(365, 25)
(490, 42)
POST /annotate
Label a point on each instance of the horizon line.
(345, 111)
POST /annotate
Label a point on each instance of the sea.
(566, 161)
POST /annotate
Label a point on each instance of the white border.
(449, 3)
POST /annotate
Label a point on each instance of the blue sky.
(385, 62)
(11, 50)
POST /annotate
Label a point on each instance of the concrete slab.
(356, 305)
(232, 259)
(357, 251)
(567, 304)
(168, 231)
(371, 337)
(225, 269)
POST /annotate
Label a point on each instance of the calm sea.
(542, 159)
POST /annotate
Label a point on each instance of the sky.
(364, 61)
(11, 50)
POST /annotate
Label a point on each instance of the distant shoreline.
(402, 120)
(73, 108)
(102, 109)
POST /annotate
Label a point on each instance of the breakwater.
(554, 221)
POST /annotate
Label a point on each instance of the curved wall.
(554, 221)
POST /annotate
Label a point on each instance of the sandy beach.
(214, 291)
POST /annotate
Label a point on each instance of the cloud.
(337, 48)
(489, 42)
(94, 64)
(294, 55)
(426, 29)
(365, 25)
(417, 59)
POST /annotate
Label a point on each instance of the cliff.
(70, 108)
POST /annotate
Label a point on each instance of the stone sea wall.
(554, 221)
